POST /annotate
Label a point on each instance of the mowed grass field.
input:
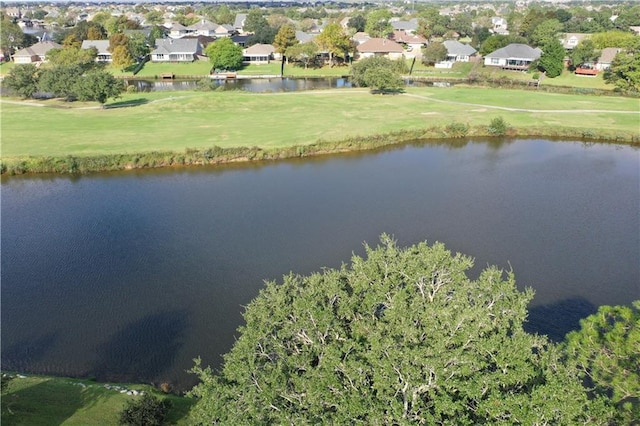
(178, 120)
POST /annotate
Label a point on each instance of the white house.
(458, 52)
(514, 56)
(259, 54)
(102, 46)
(176, 50)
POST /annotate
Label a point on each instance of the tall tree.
(358, 23)
(378, 24)
(121, 57)
(401, 336)
(255, 21)
(224, 54)
(285, 38)
(334, 41)
(625, 68)
(552, 58)
(11, 36)
(606, 352)
(545, 32)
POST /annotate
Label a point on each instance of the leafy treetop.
(401, 336)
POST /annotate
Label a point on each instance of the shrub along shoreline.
(448, 134)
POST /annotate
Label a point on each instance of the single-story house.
(177, 30)
(514, 56)
(571, 40)
(409, 26)
(458, 52)
(606, 58)
(414, 43)
(35, 53)
(224, 30)
(240, 39)
(176, 50)
(380, 47)
(203, 27)
(102, 46)
(360, 37)
(258, 54)
(303, 37)
(238, 24)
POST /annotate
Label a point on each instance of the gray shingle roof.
(39, 49)
(181, 45)
(454, 47)
(101, 45)
(516, 51)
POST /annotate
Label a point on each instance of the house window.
(160, 56)
(495, 61)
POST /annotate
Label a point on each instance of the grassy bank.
(158, 129)
(44, 401)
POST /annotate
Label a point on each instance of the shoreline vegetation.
(451, 135)
(152, 130)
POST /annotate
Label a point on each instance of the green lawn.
(47, 401)
(175, 121)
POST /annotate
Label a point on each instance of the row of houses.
(514, 56)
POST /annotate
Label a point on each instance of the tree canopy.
(606, 351)
(400, 336)
(224, 54)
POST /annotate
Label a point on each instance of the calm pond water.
(129, 276)
(258, 85)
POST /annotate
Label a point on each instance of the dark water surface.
(129, 276)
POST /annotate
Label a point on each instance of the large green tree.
(625, 68)
(224, 54)
(98, 86)
(606, 351)
(378, 24)
(60, 80)
(305, 53)
(400, 336)
(552, 59)
(23, 80)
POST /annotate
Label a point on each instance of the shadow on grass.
(127, 103)
(47, 403)
(387, 91)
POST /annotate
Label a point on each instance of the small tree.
(23, 80)
(383, 80)
(98, 86)
(146, 411)
(304, 53)
(333, 40)
(224, 54)
(363, 71)
(498, 127)
(434, 52)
